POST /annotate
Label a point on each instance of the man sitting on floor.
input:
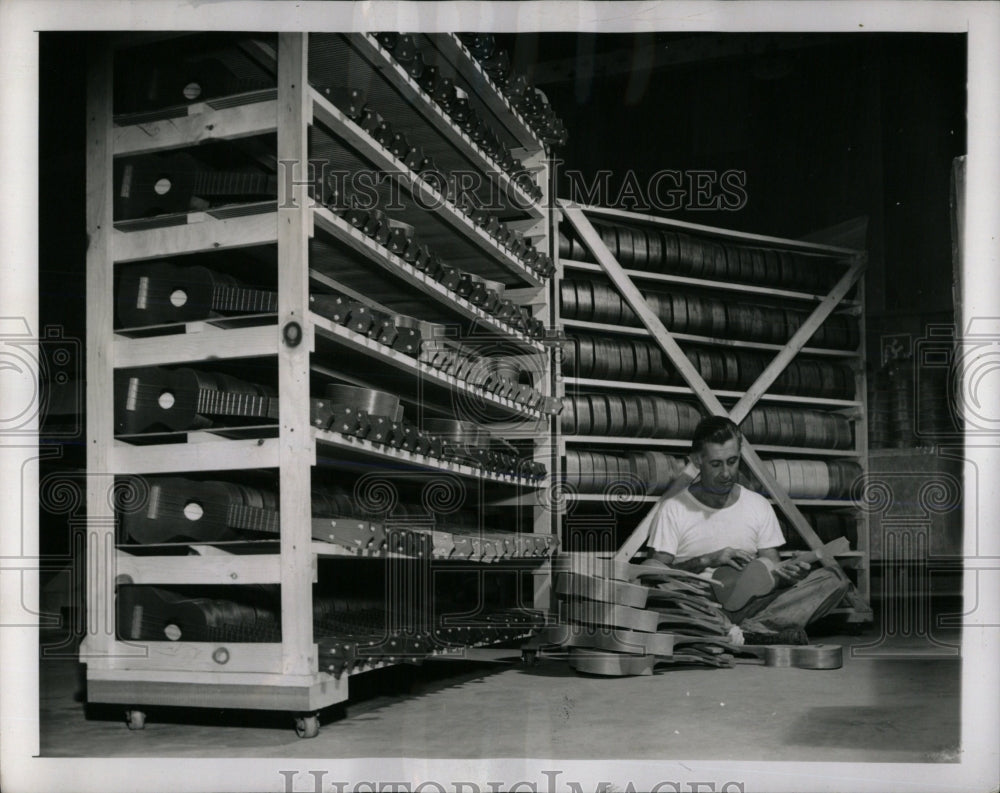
(715, 522)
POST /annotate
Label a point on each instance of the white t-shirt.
(687, 528)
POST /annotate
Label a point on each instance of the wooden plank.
(217, 455)
(685, 444)
(796, 344)
(173, 133)
(207, 570)
(233, 690)
(295, 451)
(204, 345)
(624, 216)
(629, 330)
(622, 385)
(208, 235)
(203, 661)
(100, 389)
(731, 286)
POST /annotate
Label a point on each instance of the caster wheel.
(307, 726)
(135, 719)
(529, 657)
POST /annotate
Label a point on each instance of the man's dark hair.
(714, 429)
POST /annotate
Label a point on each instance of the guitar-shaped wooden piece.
(156, 293)
(186, 509)
(178, 84)
(154, 614)
(734, 588)
(157, 184)
(154, 398)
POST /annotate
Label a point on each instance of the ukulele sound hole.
(193, 510)
(178, 298)
(172, 631)
(192, 91)
(165, 400)
(162, 186)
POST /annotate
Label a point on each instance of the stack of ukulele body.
(618, 619)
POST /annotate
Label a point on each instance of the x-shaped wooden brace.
(693, 378)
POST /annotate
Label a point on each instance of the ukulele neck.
(240, 300)
(234, 183)
(211, 401)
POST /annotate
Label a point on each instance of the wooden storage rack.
(305, 246)
(601, 264)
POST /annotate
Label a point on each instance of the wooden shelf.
(479, 83)
(742, 237)
(703, 283)
(211, 454)
(344, 232)
(431, 113)
(196, 232)
(430, 201)
(302, 246)
(678, 443)
(201, 123)
(585, 382)
(627, 330)
(200, 570)
(206, 345)
(411, 366)
(360, 448)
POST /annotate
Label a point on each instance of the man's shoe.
(784, 636)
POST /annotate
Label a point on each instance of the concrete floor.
(898, 702)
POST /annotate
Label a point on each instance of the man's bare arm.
(734, 557)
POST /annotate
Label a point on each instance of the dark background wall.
(825, 128)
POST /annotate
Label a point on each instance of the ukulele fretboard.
(211, 401)
(241, 300)
(243, 516)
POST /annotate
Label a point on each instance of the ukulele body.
(735, 588)
(185, 509)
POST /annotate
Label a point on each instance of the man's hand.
(791, 570)
(734, 557)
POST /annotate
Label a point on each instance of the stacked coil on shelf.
(678, 253)
(638, 360)
(635, 473)
(809, 479)
(596, 301)
(655, 416)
